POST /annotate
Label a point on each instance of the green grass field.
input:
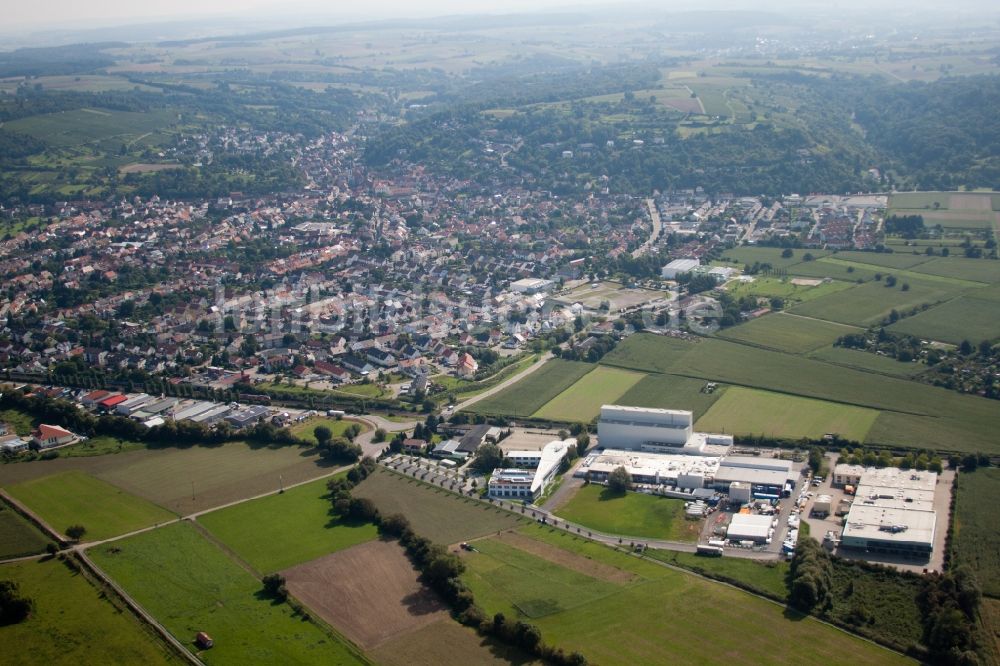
(190, 585)
(278, 531)
(18, 537)
(74, 623)
(439, 515)
(71, 128)
(752, 412)
(534, 390)
(671, 392)
(632, 514)
(960, 319)
(976, 532)
(75, 498)
(786, 332)
(306, 428)
(448, 642)
(783, 287)
(582, 401)
(863, 360)
(888, 260)
(769, 255)
(649, 353)
(706, 620)
(975, 270)
(928, 416)
(871, 302)
(764, 577)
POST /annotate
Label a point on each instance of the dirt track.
(370, 592)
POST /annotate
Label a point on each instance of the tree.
(322, 434)
(274, 586)
(14, 608)
(619, 480)
(76, 532)
(488, 458)
(379, 436)
(787, 253)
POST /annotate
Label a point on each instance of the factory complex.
(892, 513)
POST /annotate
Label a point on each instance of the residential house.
(48, 436)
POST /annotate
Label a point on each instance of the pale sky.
(31, 15)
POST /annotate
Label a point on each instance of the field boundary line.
(32, 517)
(138, 610)
(221, 545)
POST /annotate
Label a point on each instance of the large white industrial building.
(657, 431)
(893, 513)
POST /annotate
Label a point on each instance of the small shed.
(203, 640)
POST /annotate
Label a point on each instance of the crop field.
(71, 128)
(977, 534)
(753, 412)
(447, 642)
(862, 360)
(786, 332)
(74, 498)
(282, 530)
(18, 537)
(369, 592)
(961, 319)
(671, 392)
(531, 393)
(582, 401)
(190, 479)
(871, 302)
(198, 478)
(919, 415)
(706, 619)
(439, 515)
(901, 273)
(634, 514)
(190, 585)
(648, 353)
(975, 270)
(74, 623)
(616, 294)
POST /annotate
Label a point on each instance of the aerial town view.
(459, 333)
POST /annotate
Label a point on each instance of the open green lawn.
(73, 623)
(871, 302)
(889, 260)
(977, 532)
(671, 392)
(190, 585)
(306, 429)
(961, 319)
(76, 498)
(752, 412)
(631, 514)
(439, 515)
(278, 531)
(786, 332)
(855, 358)
(20, 422)
(582, 401)
(660, 615)
(18, 537)
(528, 395)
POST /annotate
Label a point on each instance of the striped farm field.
(786, 332)
(752, 412)
(582, 401)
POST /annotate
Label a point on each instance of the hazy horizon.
(67, 15)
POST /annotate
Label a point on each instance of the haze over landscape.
(545, 332)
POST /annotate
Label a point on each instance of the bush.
(14, 608)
